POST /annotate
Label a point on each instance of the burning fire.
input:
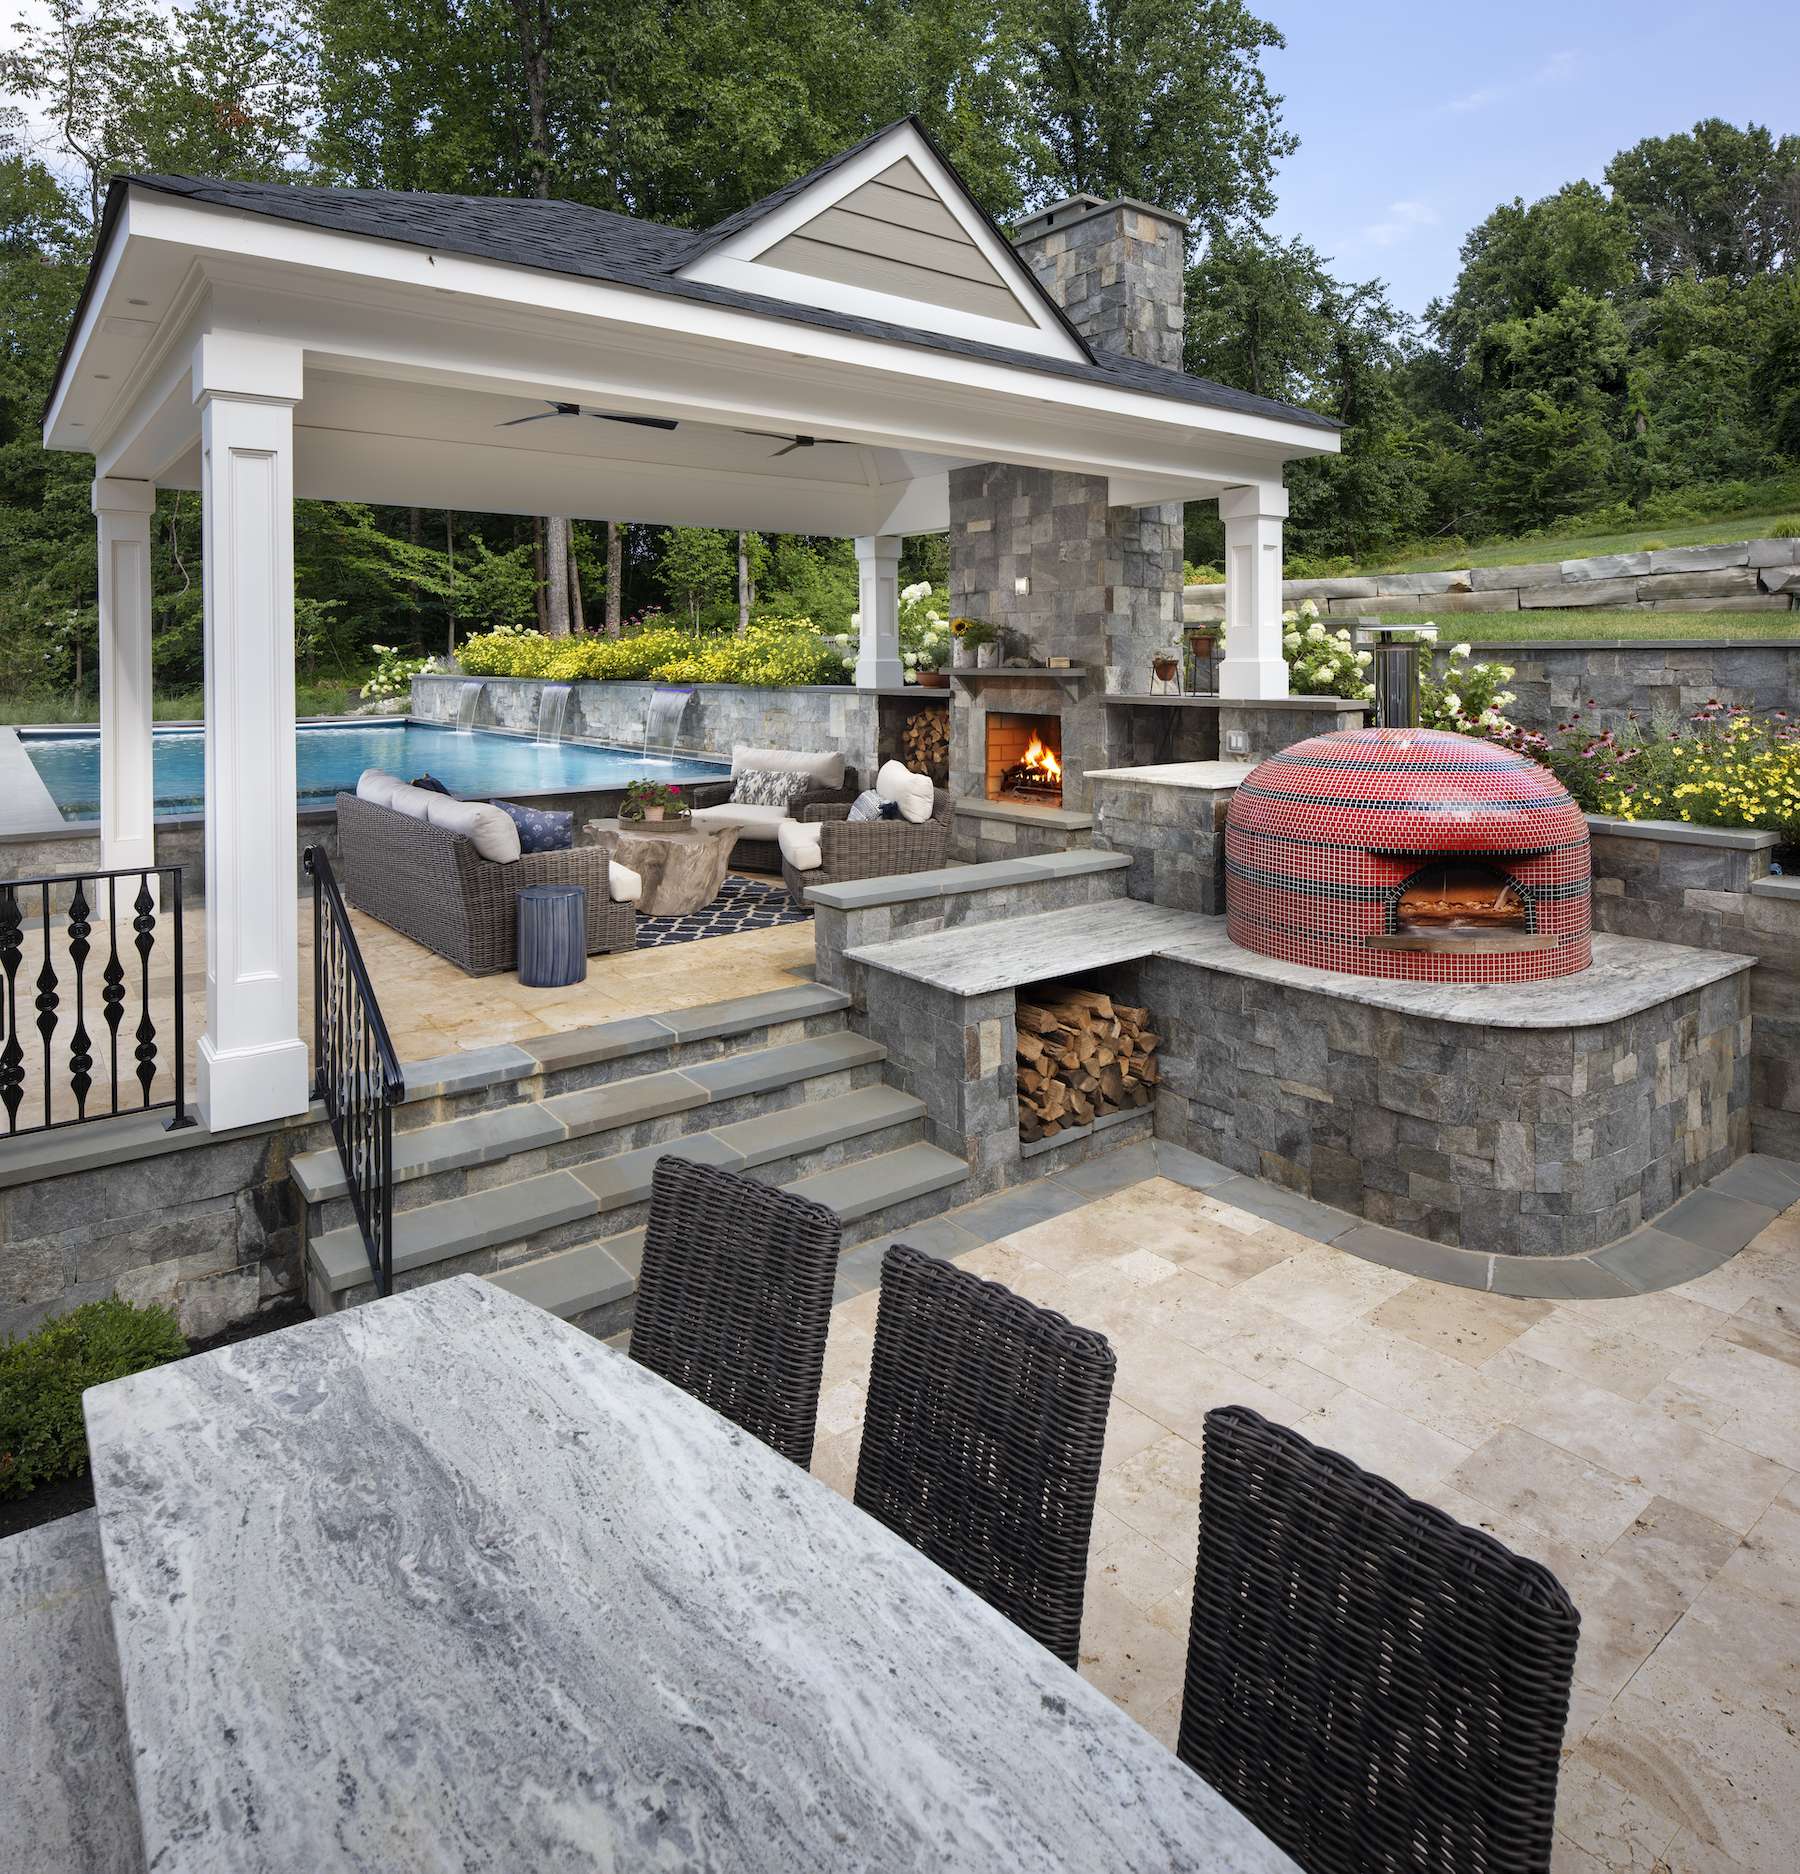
(1040, 761)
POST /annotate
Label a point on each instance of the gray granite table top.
(967, 960)
(1628, 975)
(441, 1582)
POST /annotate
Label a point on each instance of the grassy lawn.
(41, 706)
(1546, 626)
(1587, 546)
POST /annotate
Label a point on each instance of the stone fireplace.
(1024, 758)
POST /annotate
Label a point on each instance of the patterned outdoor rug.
(742, 904)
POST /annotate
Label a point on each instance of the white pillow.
(376, 785)
(493, 834)
(414, 802)
(827, 770)
(623, 886)
(911, 793)
(799, 842)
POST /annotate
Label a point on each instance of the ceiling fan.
(575, 409)
(796, 442)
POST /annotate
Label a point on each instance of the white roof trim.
(735, 261)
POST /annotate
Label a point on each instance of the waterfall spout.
(553, 709)
(663, 719)
(468, 700)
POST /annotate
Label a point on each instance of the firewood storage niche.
(1086, 1055)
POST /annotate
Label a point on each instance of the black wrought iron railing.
(354, 1070)
(82, 964)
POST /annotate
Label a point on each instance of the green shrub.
(773, 652)
(43, 1376)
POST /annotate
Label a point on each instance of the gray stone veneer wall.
(1544, 1142)
(1740, 576)
(720, 716)
(1712, 889)
(1174, 837)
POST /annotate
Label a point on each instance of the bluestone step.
(477, 1220)
(570, 1282)
(860, 1189)
(454, 1143)
(765, 1068)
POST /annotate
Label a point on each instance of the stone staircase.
(533, 1167)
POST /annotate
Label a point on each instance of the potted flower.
(976, 642)
(652, 801)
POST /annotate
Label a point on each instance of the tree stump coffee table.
(682, 865)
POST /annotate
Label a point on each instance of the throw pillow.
(768, 787)
(890, 810)
(431, 784)
(487, 829)
(913, 792)
(867, 806)
(541, 829)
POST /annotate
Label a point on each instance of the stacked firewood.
(1081, 1055)
(925, 742)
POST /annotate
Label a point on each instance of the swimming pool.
(329, 758)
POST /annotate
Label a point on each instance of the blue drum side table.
(552, 935)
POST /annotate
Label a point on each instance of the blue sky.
(1416, 120)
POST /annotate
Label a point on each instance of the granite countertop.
(1214, 776)
(968, 961)
(444, 1583)
(1628, 975)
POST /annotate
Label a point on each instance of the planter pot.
(962, 655)
(934, 679)
(653, 813)
(987, 656)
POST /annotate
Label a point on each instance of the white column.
(1253, 666)
(878, 664)
(252, 1061)
(124, 511)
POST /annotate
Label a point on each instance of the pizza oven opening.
(1024, 758)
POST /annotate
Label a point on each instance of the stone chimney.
(1116, 269)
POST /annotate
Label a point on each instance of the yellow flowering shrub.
(774, 651)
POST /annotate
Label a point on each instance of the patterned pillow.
(768, 787)
(866, 806)
(541, 829)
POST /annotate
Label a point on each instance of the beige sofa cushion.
(762, 821)
(377, 786)
(827, 770)
(799, 841)
(493, 834)
(623, 886)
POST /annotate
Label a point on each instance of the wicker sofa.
(756, 849)
(852, 849)
(433, 886)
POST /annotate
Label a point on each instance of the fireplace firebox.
(1024, 758)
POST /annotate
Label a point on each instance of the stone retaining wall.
(1743, 576)
(1711, 888)
(721, 715)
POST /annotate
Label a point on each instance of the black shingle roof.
(594, 244)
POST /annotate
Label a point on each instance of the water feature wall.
(553, 709)
(468, 700)
(662, 720)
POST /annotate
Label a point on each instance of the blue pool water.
(329, 760)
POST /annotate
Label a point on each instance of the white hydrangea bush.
(1323, 662)
(1470, 698)
(924, 630)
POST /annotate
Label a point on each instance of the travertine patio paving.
(1646, 1449)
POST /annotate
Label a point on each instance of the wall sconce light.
(1022, 586)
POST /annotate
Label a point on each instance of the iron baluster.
(80, 1059)
(145, 926)
(46, 999)
(12, 1056)
(112, 997)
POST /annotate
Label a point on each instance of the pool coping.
(16, 828)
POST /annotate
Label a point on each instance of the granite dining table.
(442, 1583)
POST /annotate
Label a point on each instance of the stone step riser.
(437, 1187)
(417, 1113)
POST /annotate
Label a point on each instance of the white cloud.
(1402, 220)
(1557, 69)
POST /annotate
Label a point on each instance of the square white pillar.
(124, 511)
(878, 664)
(1253, 666)
(252, 1062)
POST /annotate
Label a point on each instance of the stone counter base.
(1535, 1142)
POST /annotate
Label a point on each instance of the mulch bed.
(68, 1496)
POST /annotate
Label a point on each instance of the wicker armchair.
(734, 1299)
(871, 848)
(763, 855)
(982, 1437)
(433, 886)
(1372, 1684)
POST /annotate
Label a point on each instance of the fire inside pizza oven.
(1024, 758)
(1409, 852)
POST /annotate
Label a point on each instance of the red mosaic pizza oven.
(1409, 852)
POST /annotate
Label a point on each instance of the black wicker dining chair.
(982, 1437)
(734, 1299)
(1378, 1688)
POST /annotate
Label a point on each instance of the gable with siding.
(893, 234)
